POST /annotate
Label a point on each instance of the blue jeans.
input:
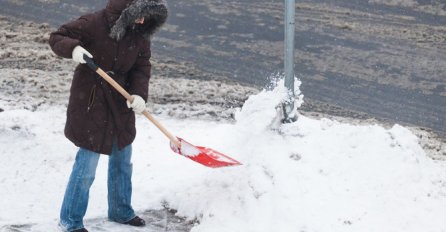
(119, 182)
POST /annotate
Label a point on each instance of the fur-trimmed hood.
(123, 14)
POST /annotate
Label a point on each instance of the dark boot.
(136, 221)
(80, 230)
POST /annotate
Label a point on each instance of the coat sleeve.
(140, 73)
(70, 35)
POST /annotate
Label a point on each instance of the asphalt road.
(386, 61)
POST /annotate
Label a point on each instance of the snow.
(188, 149)
(311, 175)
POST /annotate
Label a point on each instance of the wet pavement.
(157, 220)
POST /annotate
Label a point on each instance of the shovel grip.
(129, 97)
(90, 63)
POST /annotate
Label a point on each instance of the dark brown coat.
(97, 114)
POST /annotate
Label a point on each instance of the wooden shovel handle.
(129, 97)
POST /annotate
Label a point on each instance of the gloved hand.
(78, 54)
(138, 105)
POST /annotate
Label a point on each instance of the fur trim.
(155, 14)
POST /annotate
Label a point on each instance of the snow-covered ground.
(311, 175)
(314, 175)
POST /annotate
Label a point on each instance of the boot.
(136, 221)
(80, 230)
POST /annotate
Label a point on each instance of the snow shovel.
(203, 155)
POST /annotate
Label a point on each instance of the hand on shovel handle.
(202, 155)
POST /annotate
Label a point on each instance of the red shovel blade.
(203, 155)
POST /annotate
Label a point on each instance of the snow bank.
(311, 175)
(314, 175)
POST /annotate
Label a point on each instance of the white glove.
(78, 54)
(138, 105)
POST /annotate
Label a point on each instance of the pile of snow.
(314, 175)
(311, 175)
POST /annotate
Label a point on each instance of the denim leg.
(120, 185)
(75, 201)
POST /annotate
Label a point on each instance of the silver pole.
(289, 59)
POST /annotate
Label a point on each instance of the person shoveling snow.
(99, 120)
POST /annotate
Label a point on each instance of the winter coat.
(97, 114)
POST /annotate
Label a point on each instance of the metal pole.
(288, 106)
